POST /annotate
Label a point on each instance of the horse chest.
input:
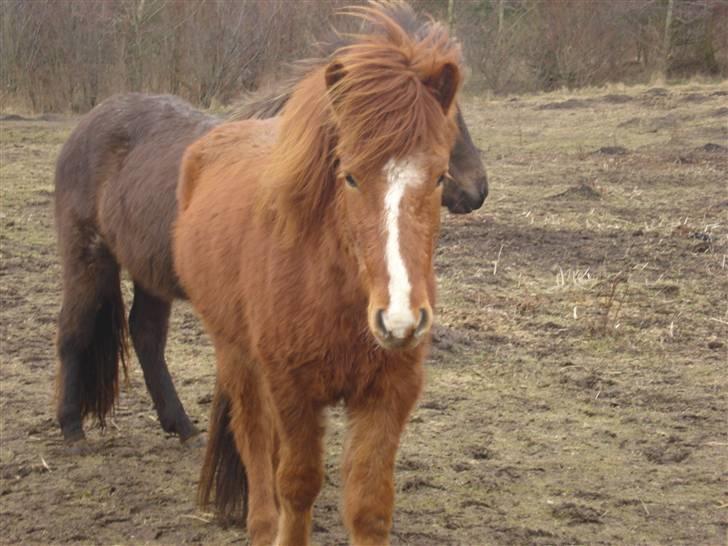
(335, 374)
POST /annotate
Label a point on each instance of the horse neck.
(300, 173)
(302, 190)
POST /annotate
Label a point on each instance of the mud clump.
(448, 340)
(419, 483)
(480, 453)
(712, 148)
(12, 117)
(670, 454)
(576, 514)
(565, 105)
(664, 122)
(630, 123)
(612, 150)
(706, 152)
(656, 92)
(581, 191)
(616, 99)
(694, 97)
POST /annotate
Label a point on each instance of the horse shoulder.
(227, 144)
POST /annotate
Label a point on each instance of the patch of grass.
(576, 384)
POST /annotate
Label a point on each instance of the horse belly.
(136, 220)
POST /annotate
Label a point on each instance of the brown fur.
(116, 179)
(285, 265)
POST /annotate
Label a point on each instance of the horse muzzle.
(400, 330)
(458, 200)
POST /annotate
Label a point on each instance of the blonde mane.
(383, 104)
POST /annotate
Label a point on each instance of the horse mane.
(300, 174)
(385, 101)
(269, 103)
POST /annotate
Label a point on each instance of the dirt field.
(577, 388)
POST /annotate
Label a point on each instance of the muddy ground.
(577, 388)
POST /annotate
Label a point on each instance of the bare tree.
(70, 54)
(666, 36)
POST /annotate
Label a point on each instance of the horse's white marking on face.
(401, 174)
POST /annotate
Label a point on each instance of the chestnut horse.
(115, 204)
(306, 245)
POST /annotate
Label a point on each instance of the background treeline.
(60, 55)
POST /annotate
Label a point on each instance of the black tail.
(99, 360)
(223, 469)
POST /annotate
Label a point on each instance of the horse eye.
(351, 181)
(441, 179)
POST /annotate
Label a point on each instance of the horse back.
(117, 174)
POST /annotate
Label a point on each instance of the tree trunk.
(666, 37)
(500, 18)
(451, 16)
(710, 63)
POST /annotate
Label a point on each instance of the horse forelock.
(380, 109)
(382, 105)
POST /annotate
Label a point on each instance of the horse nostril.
(424, 323)
(483, 183)
(379, 321)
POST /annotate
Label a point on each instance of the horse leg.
(91, 339)
(376, 421)
(240, 450)
(253, 428)
(148, 326)
(300, 466)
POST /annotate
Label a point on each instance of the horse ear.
(444, 85)
(334, 73)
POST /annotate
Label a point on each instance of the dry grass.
(577, 384)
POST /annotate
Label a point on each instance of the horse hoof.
(79, 447)
(198, 441)
(185, 431)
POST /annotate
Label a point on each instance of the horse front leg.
(242, 406)
(253, 428)
(376, 422)
(300, 470)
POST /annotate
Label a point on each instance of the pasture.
(576, 387)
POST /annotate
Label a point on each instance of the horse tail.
(99, 360)
(223, 470)
(91, 339)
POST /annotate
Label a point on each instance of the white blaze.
(398, 317)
